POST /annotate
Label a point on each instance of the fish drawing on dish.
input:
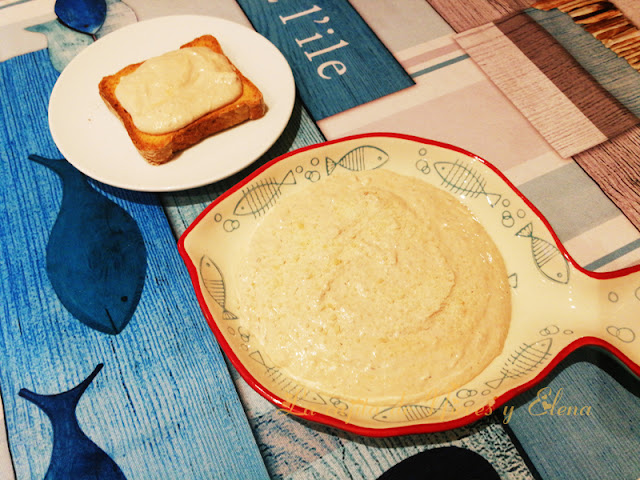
(459, 179)
(261, 196)
(214, 285)
(362, 158)
(546, 256)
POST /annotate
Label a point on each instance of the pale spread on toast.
(167, 92)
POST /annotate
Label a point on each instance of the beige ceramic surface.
(557, 307)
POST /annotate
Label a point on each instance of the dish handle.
(620, 315)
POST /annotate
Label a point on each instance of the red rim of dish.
(325, 419)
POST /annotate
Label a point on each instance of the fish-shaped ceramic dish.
(557, 306)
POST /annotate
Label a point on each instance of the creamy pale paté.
(167, 92)
(375, 286)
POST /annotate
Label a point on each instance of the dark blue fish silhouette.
(86, 16)
(96, 257)
(74, 455)
(442, 463)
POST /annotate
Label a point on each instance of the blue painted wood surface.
(164, 405)
(591, 417)
(337, 61)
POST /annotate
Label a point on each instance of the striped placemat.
(570, 83)
(463, 16)
(561, 100)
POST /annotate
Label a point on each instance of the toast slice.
(160, 148)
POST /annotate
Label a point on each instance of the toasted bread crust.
(160, 148)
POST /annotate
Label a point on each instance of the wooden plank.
(163, 405)
(606, 68)
(463, 16)
(615, 167)
(542, 50)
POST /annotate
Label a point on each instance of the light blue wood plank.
(163, 405)
(294, 449)
(591, 418)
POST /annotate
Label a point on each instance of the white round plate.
(93, 139)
